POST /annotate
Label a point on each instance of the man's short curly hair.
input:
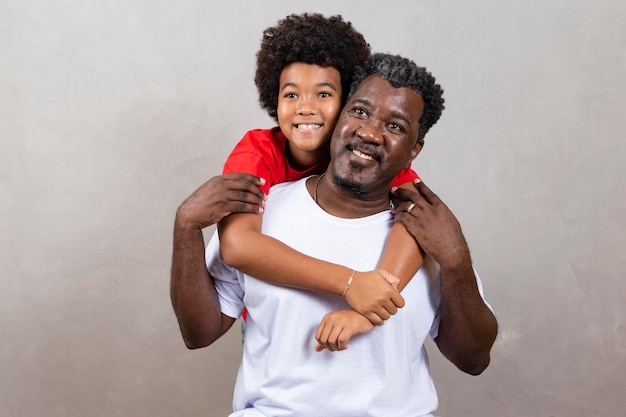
(402, 72)
(310, 38)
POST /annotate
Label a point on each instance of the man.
(341, 216)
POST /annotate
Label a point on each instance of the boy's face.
(309, 102)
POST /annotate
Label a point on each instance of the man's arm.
(192, 290)
(467, 328)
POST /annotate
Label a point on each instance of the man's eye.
(395, 126)
(359, 111)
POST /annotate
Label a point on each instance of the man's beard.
(348, 186)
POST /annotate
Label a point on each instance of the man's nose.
(371, 131)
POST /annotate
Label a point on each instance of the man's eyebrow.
(401, 116)
(362, 101)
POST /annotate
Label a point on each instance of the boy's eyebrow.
(322, 84)
(327, 84)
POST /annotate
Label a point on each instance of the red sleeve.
(404, 176)
(250, 163)
(259, 152)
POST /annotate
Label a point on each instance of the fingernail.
(393, 189)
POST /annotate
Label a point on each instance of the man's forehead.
(370, 85)
(377, 91)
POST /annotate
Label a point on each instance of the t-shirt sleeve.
(250, 163)
(404, 176)
(229, 282)
(258, 153)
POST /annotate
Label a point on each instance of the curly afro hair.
(310, 38)
(402, 72)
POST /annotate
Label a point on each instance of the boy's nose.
(306, 106)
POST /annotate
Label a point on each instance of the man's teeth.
(309, 126)
(362, 155)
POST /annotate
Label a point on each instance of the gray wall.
(111, 112)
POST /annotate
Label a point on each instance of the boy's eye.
(325, 94)
(291, 95)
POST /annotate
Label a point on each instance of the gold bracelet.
(348, 284)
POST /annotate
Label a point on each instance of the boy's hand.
(375, 295)
(219, 197)
(338, 327)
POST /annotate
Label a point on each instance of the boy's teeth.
(362, 155)
(309, 126)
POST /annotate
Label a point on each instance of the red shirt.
(262, 152)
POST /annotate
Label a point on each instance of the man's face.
(376, 134)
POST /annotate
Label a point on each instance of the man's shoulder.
(287, 188)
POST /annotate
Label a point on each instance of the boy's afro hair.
(309, 38)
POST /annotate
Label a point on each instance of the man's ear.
(417, 149)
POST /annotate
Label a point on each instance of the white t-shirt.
(383, 373)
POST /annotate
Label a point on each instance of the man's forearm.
(468, 327)
(192, 291)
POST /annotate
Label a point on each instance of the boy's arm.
(402, 255)
(245, 248)
(338, 327)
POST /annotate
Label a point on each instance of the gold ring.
(410, 208)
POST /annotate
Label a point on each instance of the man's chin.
(349, 184)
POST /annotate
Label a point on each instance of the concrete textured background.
(111, 112)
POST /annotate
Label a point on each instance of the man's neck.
(345, 201)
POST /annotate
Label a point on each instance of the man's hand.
(338, 327)
(432, 224)
(375, 295)
(219, 197)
